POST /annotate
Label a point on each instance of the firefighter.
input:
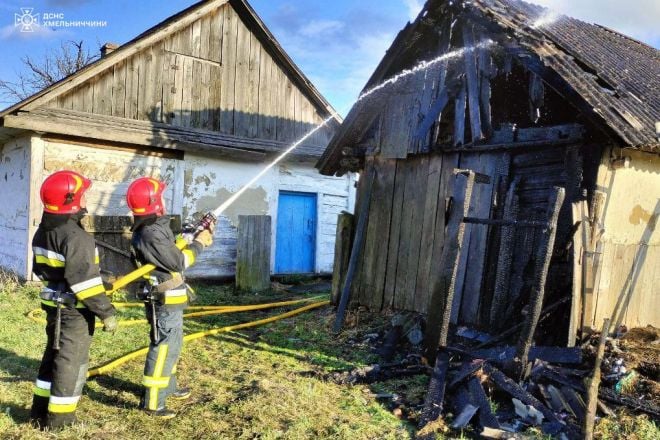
(165, 293)
(67, 262)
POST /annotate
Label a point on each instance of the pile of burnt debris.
(478, 385)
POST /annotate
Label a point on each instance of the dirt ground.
(641, 353)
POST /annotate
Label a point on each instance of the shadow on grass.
(23, 369)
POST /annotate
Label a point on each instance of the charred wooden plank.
(576, 403)
(466, 371)
(487, 70)
(542, 257)
(442, 293)
(355, 252)
(559, 355)
(432, 116)
(509, 386)
(644, 406)
(549, 373)
(464, 416)
(506, 222)
(559, 400)
(479, 398)
(550, 400)
(503, 271)
(470, 60)
(343, 243)
(434, 401)
(459, 116)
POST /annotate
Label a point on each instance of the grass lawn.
(246, 384)
(249, 384)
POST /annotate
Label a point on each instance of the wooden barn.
(461, 159)
(202, 100)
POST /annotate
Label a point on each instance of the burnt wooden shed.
(529, 101)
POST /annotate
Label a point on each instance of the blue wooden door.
(296, 233)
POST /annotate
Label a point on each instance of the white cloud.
(413, 6)
(637, 18)
(14, 32)
(318, 27)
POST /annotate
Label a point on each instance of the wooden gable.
(215, 73)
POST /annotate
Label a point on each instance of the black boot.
(39, 411)
(181, 394)
(161, 413)
(59, 421)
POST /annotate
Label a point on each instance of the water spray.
(209, 219)
(220, 209)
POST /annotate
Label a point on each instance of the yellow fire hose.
(139, 272)
(191, 337)
(198, 311)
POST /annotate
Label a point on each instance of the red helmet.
(144, 196)
(61, 192)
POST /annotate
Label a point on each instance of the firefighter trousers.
(62, 373)
(159, 379)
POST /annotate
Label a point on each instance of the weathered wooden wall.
(214, 74)
(406, 227)
(253, 253)
(15, 212)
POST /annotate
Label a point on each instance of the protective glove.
(205, 238)
(110, 324)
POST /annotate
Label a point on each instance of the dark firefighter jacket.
(153, 242)
(67, 261)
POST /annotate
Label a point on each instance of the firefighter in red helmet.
(165, 292)
(66, 260)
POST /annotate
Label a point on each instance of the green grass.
(246, 384)
(628, 427)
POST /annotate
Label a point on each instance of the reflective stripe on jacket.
(66, 260)
(154, 242)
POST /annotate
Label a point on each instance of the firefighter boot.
(181, 394)
(161, 413)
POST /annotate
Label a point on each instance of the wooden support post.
(542, 261)
(253, 253)
(594, 382)
(442, 295)
(442, 292)
(592, 259)
(580, 237)
(343, 243)
(358, 241)
(503, 272)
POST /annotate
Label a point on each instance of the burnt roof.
(616, 77)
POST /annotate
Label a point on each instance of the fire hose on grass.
(198, 311)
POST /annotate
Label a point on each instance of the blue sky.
(336, 43)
